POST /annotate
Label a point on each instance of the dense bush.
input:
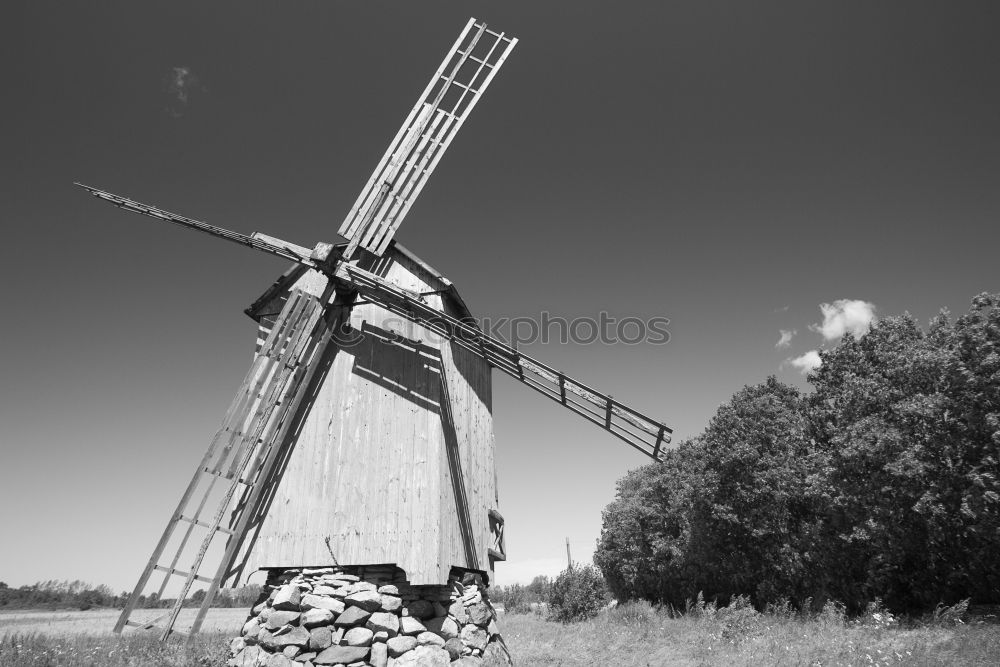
(513, 597)
(577, 594)
(79, 595)
(884, 482)
(59, 595)
(518, 599)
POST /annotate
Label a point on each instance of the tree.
(909, 424)
(643, 550)
(882, 483)
(539, 588)
(578, 593)
(727, 513)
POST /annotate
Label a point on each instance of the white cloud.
(179, 84)
(809, 361)
(844, 316)
(786, 337)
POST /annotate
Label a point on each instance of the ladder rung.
(148, 624)
(475, 59)
(217, 473)
(151, 624)
(499, 35)
(205, 525)
(460, 85)
(175, 572)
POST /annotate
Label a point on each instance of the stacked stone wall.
(369, 616)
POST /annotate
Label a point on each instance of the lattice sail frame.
(437, 116)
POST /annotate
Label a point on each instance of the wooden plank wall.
(369, 469)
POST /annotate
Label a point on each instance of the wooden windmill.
(353, 437)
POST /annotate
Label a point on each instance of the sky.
(766, 175)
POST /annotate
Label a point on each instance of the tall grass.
(637, 633)
(130, 650)
(630, 634)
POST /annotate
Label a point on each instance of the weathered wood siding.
(369, 467)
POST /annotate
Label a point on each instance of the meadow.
(633, 634)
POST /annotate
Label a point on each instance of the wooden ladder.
(242, 455)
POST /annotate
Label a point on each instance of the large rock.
(421, 609)
(281, 618)
(327, 590)
(358, 637)
(429, 639)
(316, 571)
(313, 601)
(480, 613)
(251, 656)
(400, 645)
(379, 656)
(474, 637)
(389, 589)
(279, 660)
(359, 586)
(352, 616)
(390, 602)
(457, 609)
(367, 600)
(497, 655)
(468, 661)
(294, 637)
(320, 638)
(411, 626)
(424, 656)
(454, 647)
(287, 598)
(251, 629)
(444, 626)
(316, 617)
(381, 621)
(341, 655)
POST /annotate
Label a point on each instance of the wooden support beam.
(659, 442)
(457, 474)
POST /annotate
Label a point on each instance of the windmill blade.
(437, 116)
(257, 241)
(638, 430)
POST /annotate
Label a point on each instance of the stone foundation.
(356, 616)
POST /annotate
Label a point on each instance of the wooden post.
(569, 558)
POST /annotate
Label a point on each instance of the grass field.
(100, 621)
(639, 635)
(629, 635)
